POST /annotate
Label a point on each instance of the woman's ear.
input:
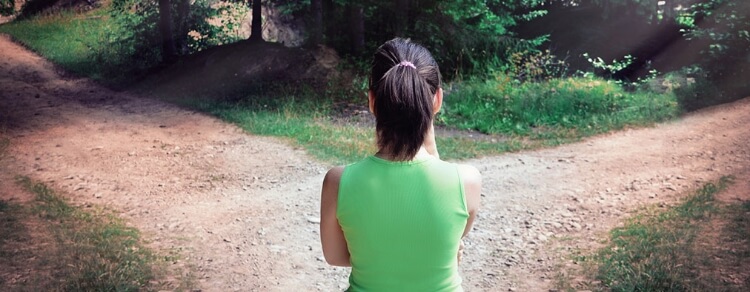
(437, 101)
(371, 101)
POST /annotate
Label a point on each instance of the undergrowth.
(557, 108)
(665, 250)
(71, 40)
(93, 251)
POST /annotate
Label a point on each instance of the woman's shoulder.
(468, 172)
(331, 181)
(472, 183)
(334, 174)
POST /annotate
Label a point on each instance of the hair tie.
(406, 64)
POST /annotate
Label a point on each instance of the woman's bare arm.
(472, 181)
(332, 238)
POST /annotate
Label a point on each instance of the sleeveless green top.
(402, 222)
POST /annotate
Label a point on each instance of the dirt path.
(242, 209)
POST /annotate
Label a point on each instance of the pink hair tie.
(406, 64)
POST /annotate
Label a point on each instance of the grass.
(11, 228)
(91, 250)
(304, 117)
(305, 121)
(63, 38)
(671, 250)
(567, 108)
(533, 116)
(81, 43)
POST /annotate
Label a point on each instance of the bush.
(536, 66)
(577, 106)
(699, 94)
(7, 7)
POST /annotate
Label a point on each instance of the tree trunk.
(256, 31)
(401, 12)
(183, 13)
(331, 28)
(168, 49)
(316, 29)
(357, 28)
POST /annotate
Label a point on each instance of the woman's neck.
(387, 155)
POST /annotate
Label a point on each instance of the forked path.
(241, 210)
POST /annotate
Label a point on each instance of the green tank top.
(402, 222)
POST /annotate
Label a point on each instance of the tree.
(7, 7)
(256, 31)
(183, 19)
(169, 50)
(722, 27)
(316, 25)
(357, 28)
(401, 12)
(464, 35)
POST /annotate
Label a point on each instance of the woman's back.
(398, 217)
(403, 222)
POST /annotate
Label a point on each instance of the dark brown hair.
(404, 80)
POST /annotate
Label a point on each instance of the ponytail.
(404, 80)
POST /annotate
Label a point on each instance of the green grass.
(525, 120)
(11, 228)
(63, 38)
(93, 250)
(81, 43)
(305, 121)
(659, 250)
(305, 124)
(556, 109)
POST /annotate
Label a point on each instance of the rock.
(669, 187)
(314, 220)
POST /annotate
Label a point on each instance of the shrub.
(536, 66)
(7, 7)
(578, 106)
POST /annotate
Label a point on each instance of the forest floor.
(241, 210)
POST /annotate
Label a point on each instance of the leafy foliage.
(208, 24)
(536, 66)
(723, 26)
(7, 7)
(466, 37)
(33, 7)
(220, 26)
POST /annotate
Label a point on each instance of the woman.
(397, 217)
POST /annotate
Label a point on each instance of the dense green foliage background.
(626, 40)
